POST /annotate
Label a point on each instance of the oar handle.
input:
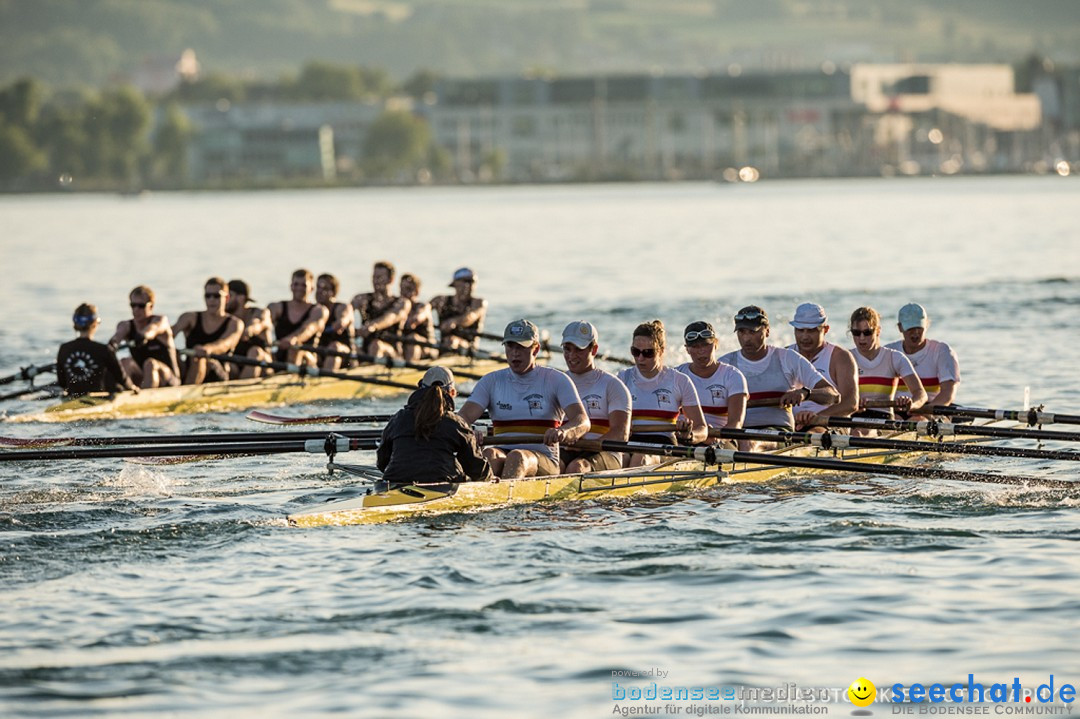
(28, 373)
(52, 388)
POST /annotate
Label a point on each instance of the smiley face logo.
(862, 692)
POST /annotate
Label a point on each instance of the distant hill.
(91, 42)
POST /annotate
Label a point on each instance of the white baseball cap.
(809, 315)
(581, 334)
(438, 375)
(912, 315)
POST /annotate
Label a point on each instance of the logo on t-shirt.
(535, 402)
(663, 396)
(718, 393)
(80, 366)
(504, 405)
(592, 402)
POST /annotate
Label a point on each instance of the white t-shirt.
(659, 399)
(601, 393)
(935, 363)
(714, 391)
(526, 405)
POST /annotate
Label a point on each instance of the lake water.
(130, 590)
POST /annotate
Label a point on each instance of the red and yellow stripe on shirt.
(714, 411)
(641, 417)
(932, 385)
(528, 429)
(598, 429)
(877, 387)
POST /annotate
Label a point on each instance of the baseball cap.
(463, 274)
(521, 332)
(809, 315)
(85, 316)
(438, 375)
(912, 315)
(751, 317)
(239, 287)
(581, 334)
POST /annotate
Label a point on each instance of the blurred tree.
(323, 81)
(19, 156)
(20, 103)
(396, 145)
(420, 84)
(171, 145)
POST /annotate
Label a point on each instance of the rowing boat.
(242, 394)
(669, 476)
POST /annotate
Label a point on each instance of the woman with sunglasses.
(153, 352)
(880, 368)
(660, 395)
(720, 387)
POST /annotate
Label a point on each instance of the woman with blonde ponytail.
(426, 442)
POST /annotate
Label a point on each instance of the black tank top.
(142, 351)
(284, 327)
(346, 338)
(198, 336)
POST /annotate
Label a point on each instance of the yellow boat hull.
(671, 476)
(234, 395)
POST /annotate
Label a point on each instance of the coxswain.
(297, 321)
(461, 315)
(425, 442)
(210, 332)
(935, 362)
(419, 327)
(833, 362)
(660, 395)
(538, 404)
(256, 339)
(721, 388)
(773, 373)
(338, 334)
(150, 338)
(381, 314)
(880, 369)
(605, 398)
(83, 365)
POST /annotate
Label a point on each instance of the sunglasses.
(212, 295)
(646, 353)
(693, 336)
(139, 305)
(743, 316)
(861, 333)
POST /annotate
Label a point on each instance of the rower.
(536, 403)
(83, 365)
(879, 369)
(419, 326)
(380, 313)
(297, 321)
(833, 362)
(720, 387)
(660, 395)
(605, 398)
(425, 442)
(213, 331)
(153, 353)
(935, 362)
(773, 373)
(460, 311)
(255, 340)
(339, 333)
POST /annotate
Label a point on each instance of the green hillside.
(68, 42)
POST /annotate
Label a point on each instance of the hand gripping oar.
(307, 371)
(828, 440)
(28, 373)
(175, 439)
(718, 456)
(934, 428)
(329, 444)
(1032, 417)
(385, 361)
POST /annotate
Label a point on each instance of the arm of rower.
(227, 341)
(470, 412)
(259, 323)
(918, 394)
(843, 370)
(185, 323)
(308, 330)
(824, 393)
(946, 395)
(121, 334)
(736, 410)
(618, 426)
(475, 314)
(393, 316)
(699, 428)
(573, 428)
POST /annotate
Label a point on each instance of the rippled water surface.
(136, 590)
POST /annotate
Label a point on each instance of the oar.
(713, 455)
(469, 334)
(386, 361)
(828, 440)
(1031, 416)
(330, 444)
(52, 388)
(151, 439)
(934, 428)
(28, 373)
(306, 370)
(268, 418)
